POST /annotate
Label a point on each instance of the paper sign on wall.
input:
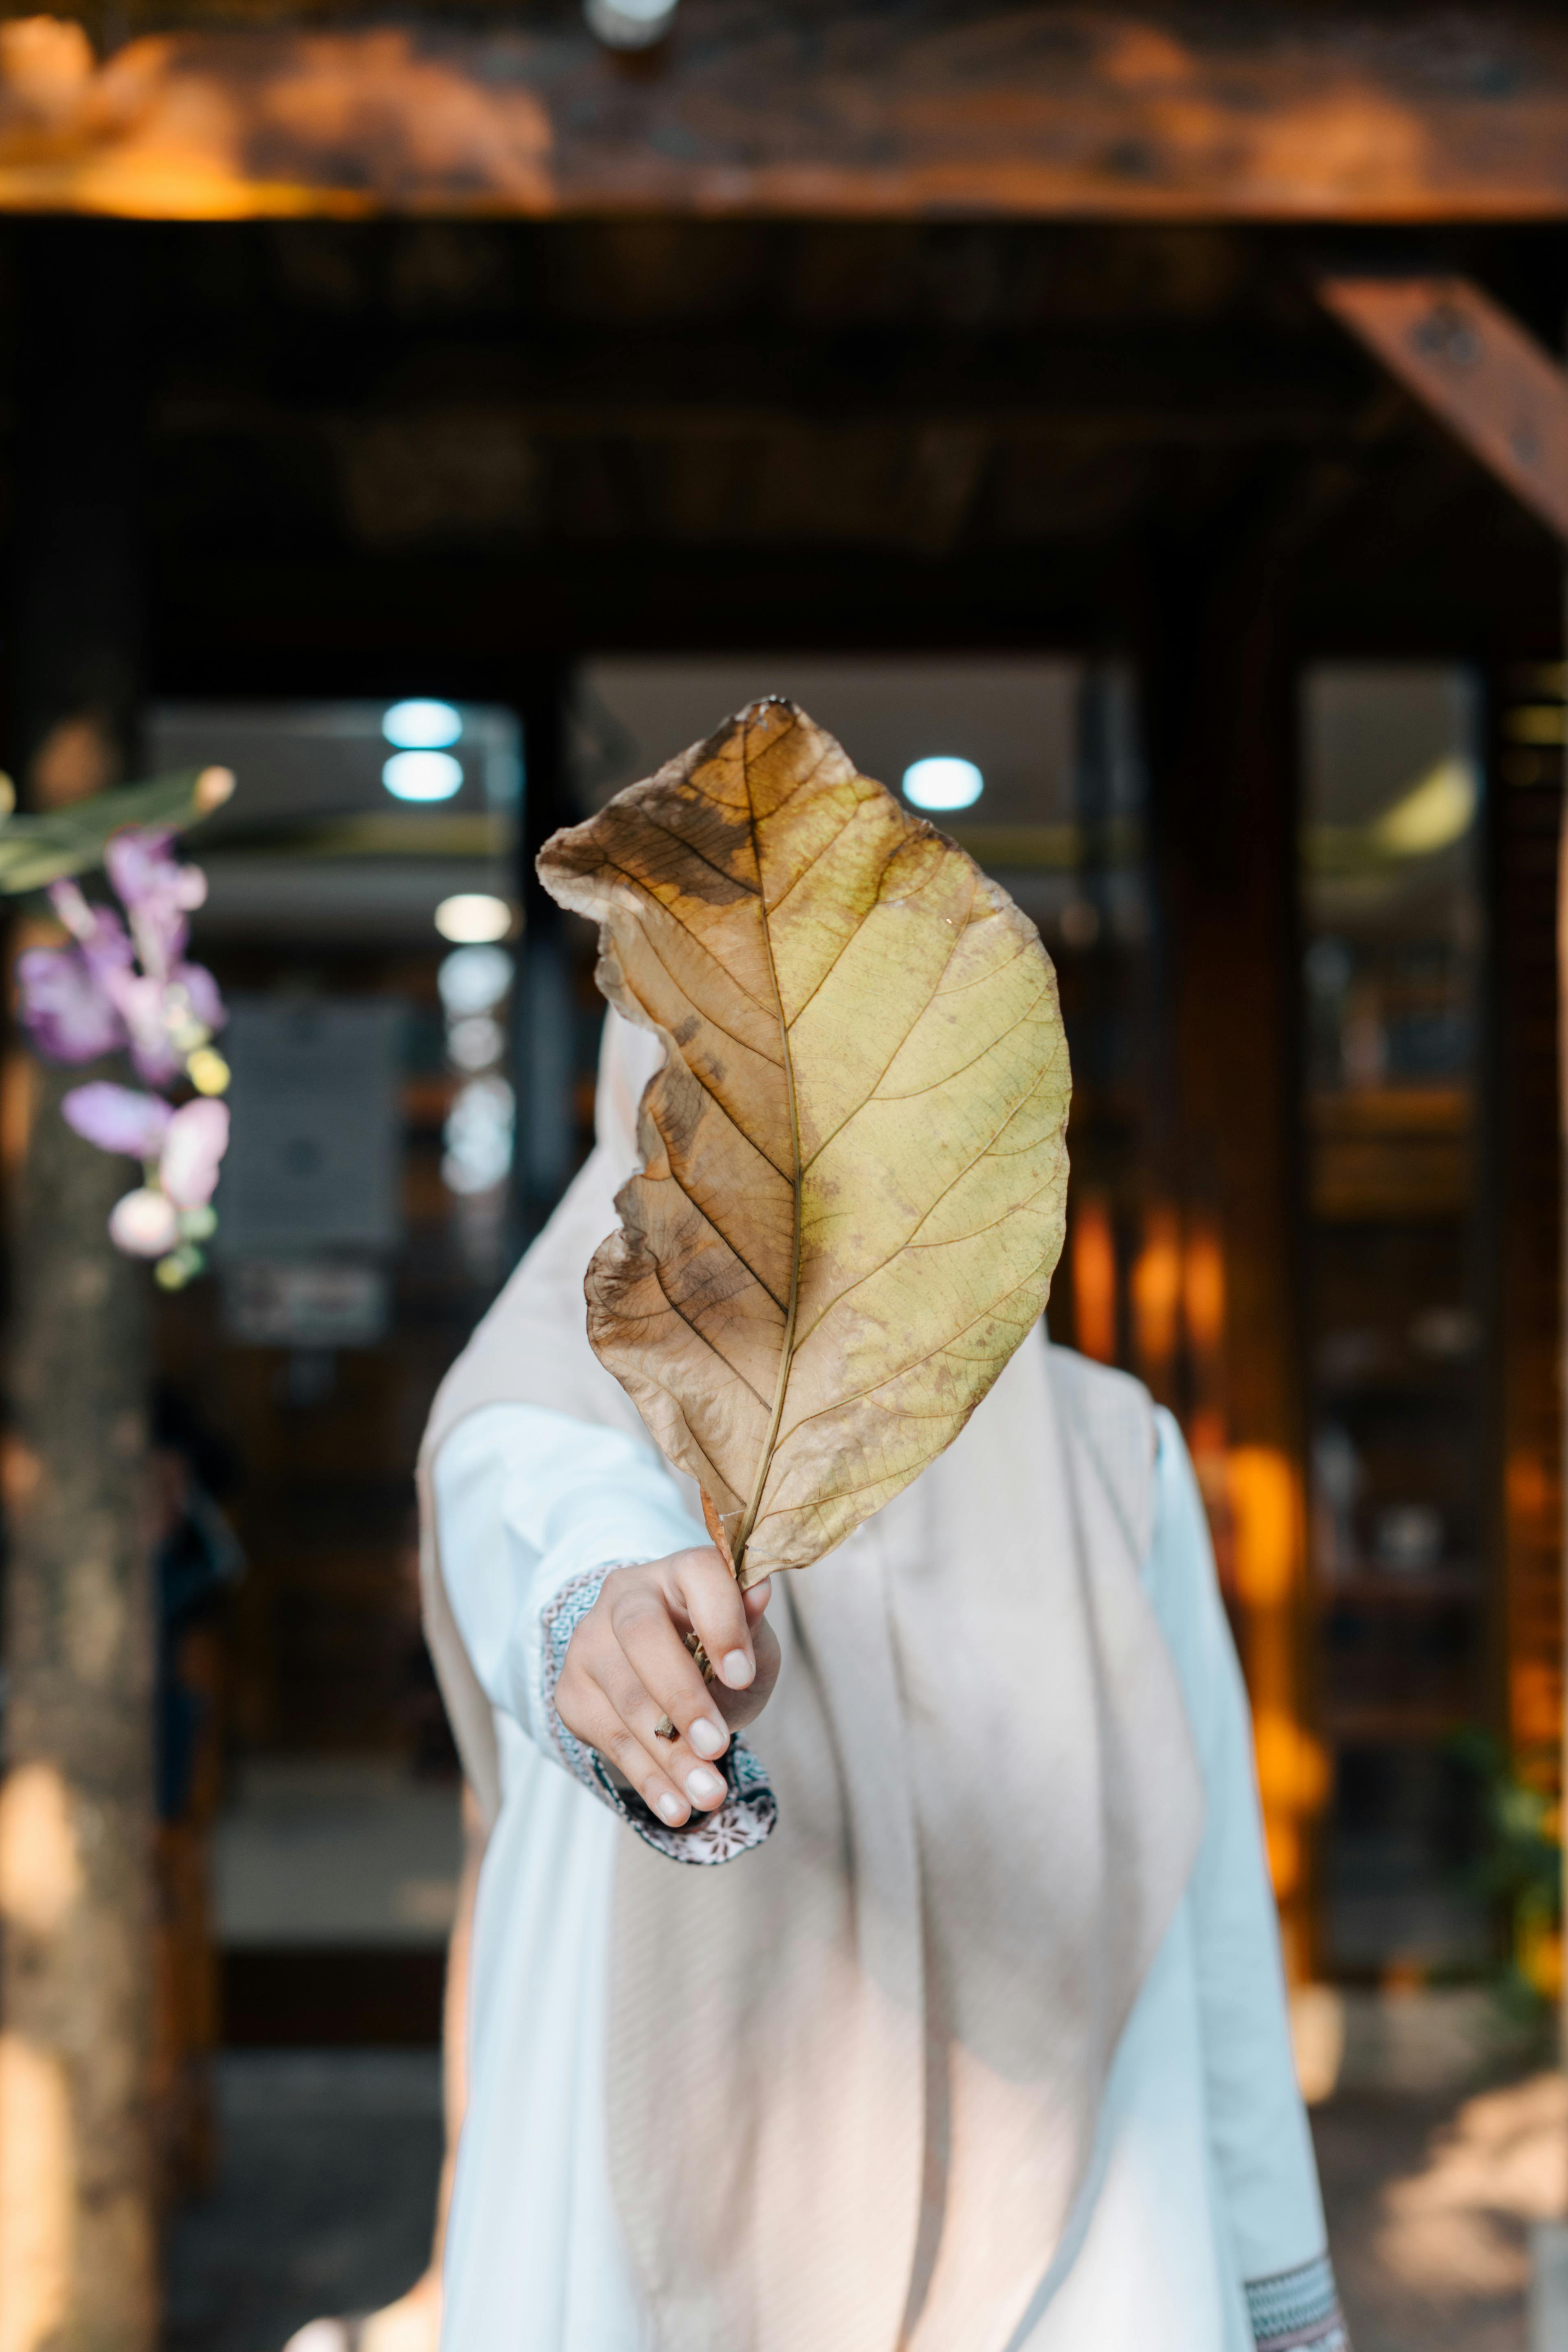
(316, 1160)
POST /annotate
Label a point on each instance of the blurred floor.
(337, 1850)
(1430, 2201)
(324, 2200)
(330, 2158)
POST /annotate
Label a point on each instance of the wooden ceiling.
(471, 445)
(1294, 111)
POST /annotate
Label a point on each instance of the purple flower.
(158, 894)
(140, 1002)
(117, 987)
(200, 989)
(187, 1144)
(118, 1118)
(67, 1015)
(156, 1011)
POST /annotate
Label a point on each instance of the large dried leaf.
(855, 1170)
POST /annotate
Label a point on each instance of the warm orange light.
(270, 121)
(1531, 1487)
(1205, 1442)
(1094, 1279)
(1156, 1291)
(1539, 1952)
(1267, 1533)
(1292, 1769)
(1282, 1841)
(1203, 1291)
(1266, 1515)
(1535, 1701)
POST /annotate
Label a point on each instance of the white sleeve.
(1258, 2136)
(526, 1501)
(533, 1510)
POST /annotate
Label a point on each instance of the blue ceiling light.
(422, 726)
(422, 775)
(630, 24)
(943, 783)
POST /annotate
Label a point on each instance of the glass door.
(1391, 897)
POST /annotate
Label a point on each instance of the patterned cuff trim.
(748, 1813)
(1297, 2311)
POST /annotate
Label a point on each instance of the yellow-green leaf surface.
(852, 1201)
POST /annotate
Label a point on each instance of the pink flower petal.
(144, 1223)
(66, 898)
(141, 863)
(198, 1139)
(202, 988)
(118, 1118)
(142, 1007)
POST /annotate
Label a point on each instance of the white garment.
(1202, 2176)
(950, 1933)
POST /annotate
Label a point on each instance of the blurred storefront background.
(1040, 466)
(371, 1206)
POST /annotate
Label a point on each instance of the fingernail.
(706, 1737)
(704, 1788)
(736, 1668)
(671, 1809)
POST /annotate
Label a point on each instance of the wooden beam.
(838, 108)
(1479, 372)
(1212, 384)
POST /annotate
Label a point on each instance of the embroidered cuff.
(1297, 2311)
(748, 1813)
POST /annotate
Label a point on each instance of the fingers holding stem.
(632, 1688)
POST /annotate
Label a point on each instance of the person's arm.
(567, 1551)
(1260, 2144)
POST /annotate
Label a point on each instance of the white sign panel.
(316, 1156)
(272, 1302)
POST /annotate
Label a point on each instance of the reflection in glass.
(1390, 865)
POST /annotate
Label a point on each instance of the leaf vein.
(677, 1310)
(914, 1094)
(926, 1214)
(687, 998)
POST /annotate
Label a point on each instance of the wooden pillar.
(1525, 817)
(1561, 1498)
(77, 2191)
(1221, 738)
(546, 1015)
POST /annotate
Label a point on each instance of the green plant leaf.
(37, 850)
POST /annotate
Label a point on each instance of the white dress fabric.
(1198, 2226)
(981, 1804)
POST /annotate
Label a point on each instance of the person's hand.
(628, 1669)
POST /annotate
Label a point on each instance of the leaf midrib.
(786, 1351)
